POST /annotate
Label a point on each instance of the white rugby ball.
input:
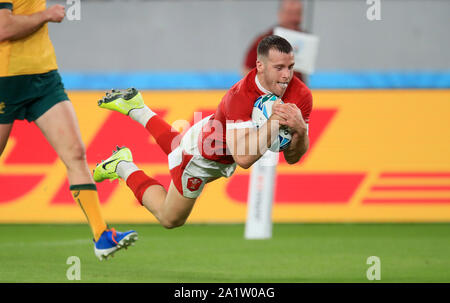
(262, 110)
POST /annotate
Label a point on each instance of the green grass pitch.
(220, 254)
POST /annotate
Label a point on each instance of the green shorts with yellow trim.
(29, 96)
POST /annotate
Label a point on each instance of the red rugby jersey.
(235, 111)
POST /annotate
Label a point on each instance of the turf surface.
(219, 253)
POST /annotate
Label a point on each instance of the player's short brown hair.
(273, 42)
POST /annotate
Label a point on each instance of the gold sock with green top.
(87, 198)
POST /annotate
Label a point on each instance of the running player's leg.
(5, 130)
(60, 126)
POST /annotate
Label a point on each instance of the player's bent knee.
(74, 158)
(170, 224)
(77, 153)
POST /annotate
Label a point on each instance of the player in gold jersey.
(31, 88)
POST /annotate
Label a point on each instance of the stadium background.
(380, 130)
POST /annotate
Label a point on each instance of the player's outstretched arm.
(14, 27)
(249, 144)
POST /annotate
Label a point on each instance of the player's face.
(276, 71)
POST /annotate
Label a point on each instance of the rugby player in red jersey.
(213, 147)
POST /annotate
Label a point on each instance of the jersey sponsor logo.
(2, 107)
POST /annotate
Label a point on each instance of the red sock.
(163, 134)
(138, 182)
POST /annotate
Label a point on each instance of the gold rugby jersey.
(33, 54)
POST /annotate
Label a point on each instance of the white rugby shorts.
(189, 170)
